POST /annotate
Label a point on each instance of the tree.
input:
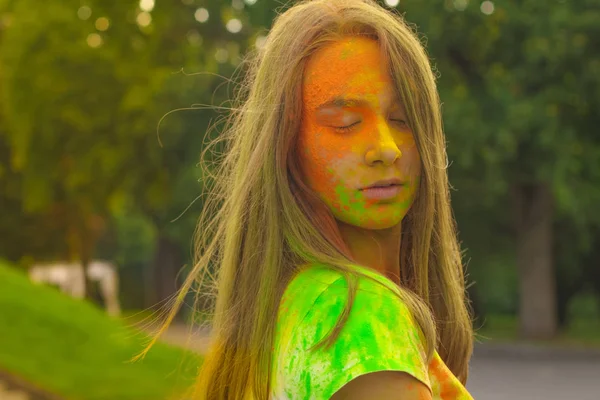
(80, 113)
(82, 135)
(520, 83)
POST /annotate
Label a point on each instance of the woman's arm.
(390, 385)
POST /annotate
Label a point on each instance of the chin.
(374, 222)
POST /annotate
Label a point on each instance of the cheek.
(326, 160)
(410, 165)
(410, 162)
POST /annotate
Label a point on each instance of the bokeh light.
(102, 23)
(94, 40)
(201, 15)
(487, 7)
(84, 12)
(260, 41)
(146, 5)
(392, 3)
(221, 55)
(144, 19)
(194, 38)
(234, 25)
(237, 4)
(460, 5)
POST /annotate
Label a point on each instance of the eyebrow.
(342, 102)
(347, 102)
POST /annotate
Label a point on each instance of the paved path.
(13, 388)
(510, 377)
(9, 394)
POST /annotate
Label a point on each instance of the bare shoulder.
(392, 385)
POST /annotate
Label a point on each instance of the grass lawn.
(72, 349)
(582, 332)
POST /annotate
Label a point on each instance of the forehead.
(351, 67)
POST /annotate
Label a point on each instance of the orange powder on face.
(345, 67)
(333, 154)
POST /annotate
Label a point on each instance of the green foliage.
(82, 130)
(519, 88)
(71, 348)
(87, 134)
(135, 238)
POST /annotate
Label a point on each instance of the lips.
(376, 186)
(384, 183)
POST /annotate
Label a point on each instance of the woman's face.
(353, 133)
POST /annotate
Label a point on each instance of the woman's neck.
(375, 249)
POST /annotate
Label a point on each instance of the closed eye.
(347, 127)
(401, 121)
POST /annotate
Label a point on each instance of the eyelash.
(346, 128)
(349, 127)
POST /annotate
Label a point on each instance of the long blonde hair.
(262, 223)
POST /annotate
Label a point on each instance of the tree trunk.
(150, 294)
(84, 230)
(537, 311)
(166, 266)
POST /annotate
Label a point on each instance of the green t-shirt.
(379, 335)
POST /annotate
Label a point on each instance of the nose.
(383, 148)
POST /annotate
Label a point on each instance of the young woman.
(338, 272)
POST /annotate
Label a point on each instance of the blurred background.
(105, 109)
